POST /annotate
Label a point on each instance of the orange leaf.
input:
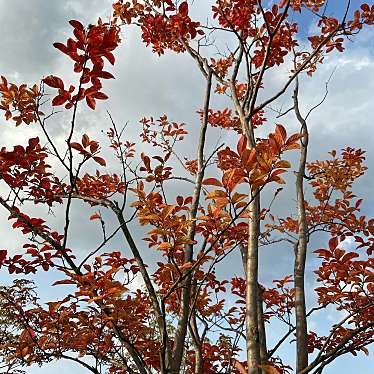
(165, 245)
(216, 194)
(281, 131)
(283, 164)
(240, 367)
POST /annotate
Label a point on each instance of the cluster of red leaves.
(69, 326)
(162, 134)
(218, 356)
(22, 99)
(365, 17)
(242, 17)
(296, 5)
(99, 186)
(36, 253)
(90, 45)
(222, 65)
(225, 120)
(237, 15)
(160, 173)
(171, 224)
(336, 208)
(256, 166)
(347, 281)
(170, 235)
(164, 26)
(315, 342)
(217, 222)
(25, 168)
(89, 149)
(282, 42)
(122, 149)
(342, 214)
(331, 28)
(279, 301)
(191, 166)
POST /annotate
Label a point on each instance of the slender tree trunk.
(180, 335)
(252, 328)
(199, 360)
(260, 315)
(261, 330)
(301, 247)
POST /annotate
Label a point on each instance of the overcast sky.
(147, 85)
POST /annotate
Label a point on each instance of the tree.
(183, 318)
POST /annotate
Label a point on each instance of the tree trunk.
(260, 315)
(252, 330)
(180, 335)
(301, 247)
(261, 330)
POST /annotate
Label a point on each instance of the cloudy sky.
(147, 85)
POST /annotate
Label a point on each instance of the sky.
(148, 85)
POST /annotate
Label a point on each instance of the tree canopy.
(160, 303)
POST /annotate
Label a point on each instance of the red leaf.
(85, 140)
(100, 96)
(349, 256)
(323, 253)
(105, 75)
(242, 145)
(95, 216)
(183, 9)
(110, 57)
(365, 8)
(64, 281)
(3, 254)
(59, 100)
(100, 160)
(76, 146)
(53, 81)
(212, 182)
(33, 142)
(76, 24)
(91, 102)
(61, 47)
(333, 243)
(281, 131)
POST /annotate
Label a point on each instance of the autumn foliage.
(125, 313)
